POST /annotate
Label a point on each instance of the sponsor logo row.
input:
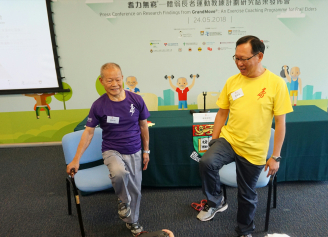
(199, 49)
(188, 43)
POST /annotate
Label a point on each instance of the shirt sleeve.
(223, 101)
(144, 113)
(93, 119)
(282, 104)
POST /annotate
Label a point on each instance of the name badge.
(237, 94)
(112, 119)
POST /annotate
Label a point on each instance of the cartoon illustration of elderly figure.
(295, 83)
(182, 90)
(41, 103)
(131, 83)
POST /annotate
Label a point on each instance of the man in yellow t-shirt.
(251, 98)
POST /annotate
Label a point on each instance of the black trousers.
(221, 153)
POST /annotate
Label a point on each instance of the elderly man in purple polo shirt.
(123, 117)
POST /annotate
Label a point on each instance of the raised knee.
(118, 173)
(205, 163)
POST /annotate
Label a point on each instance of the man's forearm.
(83, 145)
(220, 119)
(279, 135)
(145, 136)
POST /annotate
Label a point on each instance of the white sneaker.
(209, 212)
(124, 210)
(135, 228)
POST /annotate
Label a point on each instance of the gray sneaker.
(135, 228)
(209, 212)
(124, 210)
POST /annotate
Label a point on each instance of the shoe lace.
(135, 226)
(122, 206)
(206, 207)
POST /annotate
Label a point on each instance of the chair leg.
(268, 206)
(275, 191)
(69, 204)
(224, 192)
(78, 208)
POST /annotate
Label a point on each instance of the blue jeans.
(221, 153)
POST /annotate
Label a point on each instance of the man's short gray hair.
(108, 66)
(130, 76)
(182, 78)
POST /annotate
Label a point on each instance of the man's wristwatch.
(146, 151)
(276, 158)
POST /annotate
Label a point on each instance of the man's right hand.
(72, 165)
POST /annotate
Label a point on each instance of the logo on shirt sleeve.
(89, 120)
(132, 109)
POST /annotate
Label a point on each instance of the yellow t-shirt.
(250, 119)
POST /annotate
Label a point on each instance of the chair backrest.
(211, 99)
(93, 153)
(151, 101)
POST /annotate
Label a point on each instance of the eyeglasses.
(242, 59)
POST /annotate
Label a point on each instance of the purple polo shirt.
(119, 122)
